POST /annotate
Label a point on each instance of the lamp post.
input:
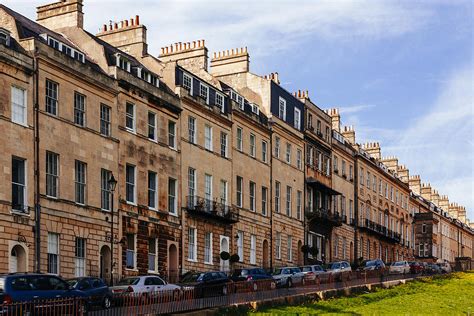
(112, 184)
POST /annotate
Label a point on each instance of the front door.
(224, 264)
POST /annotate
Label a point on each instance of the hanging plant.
(305, 248)
(314, 251)
(234, 258)
(225, 255)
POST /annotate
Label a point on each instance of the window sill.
(22, 124)
(131, 203)
(173, 214)
(192, 260)
(153, 272)
(131, 130)
(52, 197)
(20, 213)
(131, 269)
(209, 263)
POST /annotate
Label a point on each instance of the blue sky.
(400, 71)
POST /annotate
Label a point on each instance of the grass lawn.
(443, 295)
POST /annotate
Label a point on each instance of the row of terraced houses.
(209, 160)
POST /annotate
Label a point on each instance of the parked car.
(312, 272)
(256, 278)
(371, 265)
(445, 267)
(288, 276)
(416, 267)
(204, 284)
(401, 267)
(143, 284)
(31, 287)
(433, 268)
(340, 270)
(97, 292)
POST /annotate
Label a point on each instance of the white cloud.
(265, 26)
(439, 144)
(355, 108)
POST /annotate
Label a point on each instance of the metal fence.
(190, 299)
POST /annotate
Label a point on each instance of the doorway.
(173, 271)
(17, 260)
(266, 264)
(224, 247)
(105, 263)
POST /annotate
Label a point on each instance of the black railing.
(209, 208)
(322, 214)
(380, 230)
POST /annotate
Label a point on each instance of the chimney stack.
(444, 203)
(335, 119)
(373, 149)
(349, 134)
(127, 36)
(193, 55)
(230, 62)
(403, 173)
(426, 191)
(62, 14)
(415, 184)
(391, 162)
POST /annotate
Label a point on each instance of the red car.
(416, 267)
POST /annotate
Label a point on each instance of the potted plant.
(234, 258)
(305, 249)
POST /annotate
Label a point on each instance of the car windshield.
(371, 263)
(240, 273)
(399, 263)
(129, 281)
(277, 271)
(72, 282)
(193, 277)
(306, 269)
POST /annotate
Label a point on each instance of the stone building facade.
(205, 161)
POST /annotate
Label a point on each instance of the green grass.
(444, 295)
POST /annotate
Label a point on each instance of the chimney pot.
(131, 22)
(104, 28)
(115, 26)
(126, 23)
(137, 20)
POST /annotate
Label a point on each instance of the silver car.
(399, 267)
(311, 272)
(143, 284)
(340, 270)
(288, 276)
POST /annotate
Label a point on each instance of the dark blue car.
(97, 292)
(29, 291)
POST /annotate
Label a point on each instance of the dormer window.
(240, 100)
(4, 37)
(188, 82)
(66, 49)
(204, 93)
(282, 109)
(255, 108)
(220, 101)
(123, 63)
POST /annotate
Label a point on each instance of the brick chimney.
(453, 210)
(229, 62)
(391, 162)
(349, 134)
(415, 184)
(335, 119)
(127, 35)
(193, 55)
(444, 203)
(426, 191)
(373, 149)
(435, 197)
(403, 173)
(62, 14)
(462, 214)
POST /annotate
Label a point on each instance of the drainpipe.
(356, 212)
(271, 195)
(37, 227)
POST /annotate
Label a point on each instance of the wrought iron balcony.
(211, 209)
(380, 230)
(324, 215)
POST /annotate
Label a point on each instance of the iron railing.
(210, 208)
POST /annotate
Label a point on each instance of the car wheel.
(254, 287)
(107, 303)
(289, 282)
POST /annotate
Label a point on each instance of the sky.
(401, 72)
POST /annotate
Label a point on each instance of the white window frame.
(264, 201)
(282, 108)
(208, 249)
(239, 191)
(252, 196)
(80, 261)
(240, 133)
(240, 245)
(289, 248)
(277, 146)
(185, 86)
(80, 183)
(53, 250)
(297, 118)
(264, 151)
(133, 184)
(133, 251)
(299, 156)
(253, 249)
(154, 191)
(289, 193)
(172, 135)
(174, 210)
(22, 185)
(208, 137)
(152, 126)
(131, 116)
(220, 101)
(23, 106)
(204, 92)
(252, 140)
(277, 197)
(192, 244)
(278, 246)
(288, 153)
(153, 256)
(192, 129)
(224, 143)
(299, 198)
